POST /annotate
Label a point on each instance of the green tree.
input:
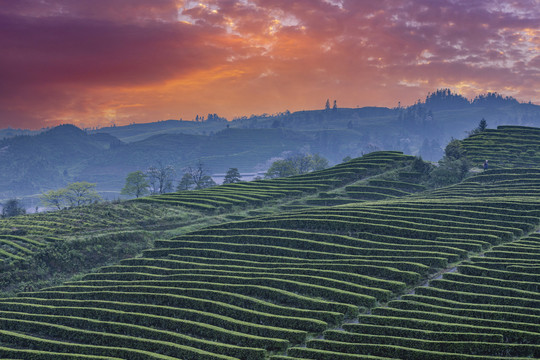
(449, 171)
(136, 184)
(232, 176)
(81, 193)
(281, 168)
(454, 150)
(346, 159)
(205, 182)
(420, 166)
(302, 163)
(75, 194)
(296, 165)
(12, 207)
(482, 125)
(54, 198)
(318, 162)
(452, 168)
(186, 183)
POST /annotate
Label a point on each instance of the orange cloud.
(94, 62)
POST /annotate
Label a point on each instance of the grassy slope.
(68, 235)
(323, 264)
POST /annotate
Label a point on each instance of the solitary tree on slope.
(136, 184)
(232, 176)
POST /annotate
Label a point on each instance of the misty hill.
(241, 148)
(34, 164)
(55, 157)
(444, 107)
(420, 129)
(137, 132)
(10, 132)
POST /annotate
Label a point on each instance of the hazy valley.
(33, 164)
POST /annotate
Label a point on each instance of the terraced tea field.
(493, 183)
(406, 274)
(16, 247)
(508, 146)
(256, 193)
(488, 308)
(23, 237)
(167, 211)
(260, 287)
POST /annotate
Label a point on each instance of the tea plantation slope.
(44, 249)
(37, 249)
(507, 146)
(33, 231)
(258, 287)
(256, 193)
(381, 187)
(14, 247)
(486, 307)
(23, 236)
(496, 183)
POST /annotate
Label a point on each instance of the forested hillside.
(258, 270)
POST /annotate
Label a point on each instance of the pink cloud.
(135, 61)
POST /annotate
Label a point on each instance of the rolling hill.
(32, 162)
(402, 273)
(35, 164)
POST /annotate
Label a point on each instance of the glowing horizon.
(98, 62)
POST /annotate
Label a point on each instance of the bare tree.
(160, 178)
(199, 176)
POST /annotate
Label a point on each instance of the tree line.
(75, 194)
(159, 179)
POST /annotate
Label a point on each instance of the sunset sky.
(98, 62)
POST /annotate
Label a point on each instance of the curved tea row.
(255, 193)
(488, 308)
(260, 287)
(507, 146)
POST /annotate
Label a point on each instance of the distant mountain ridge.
(31, 164)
